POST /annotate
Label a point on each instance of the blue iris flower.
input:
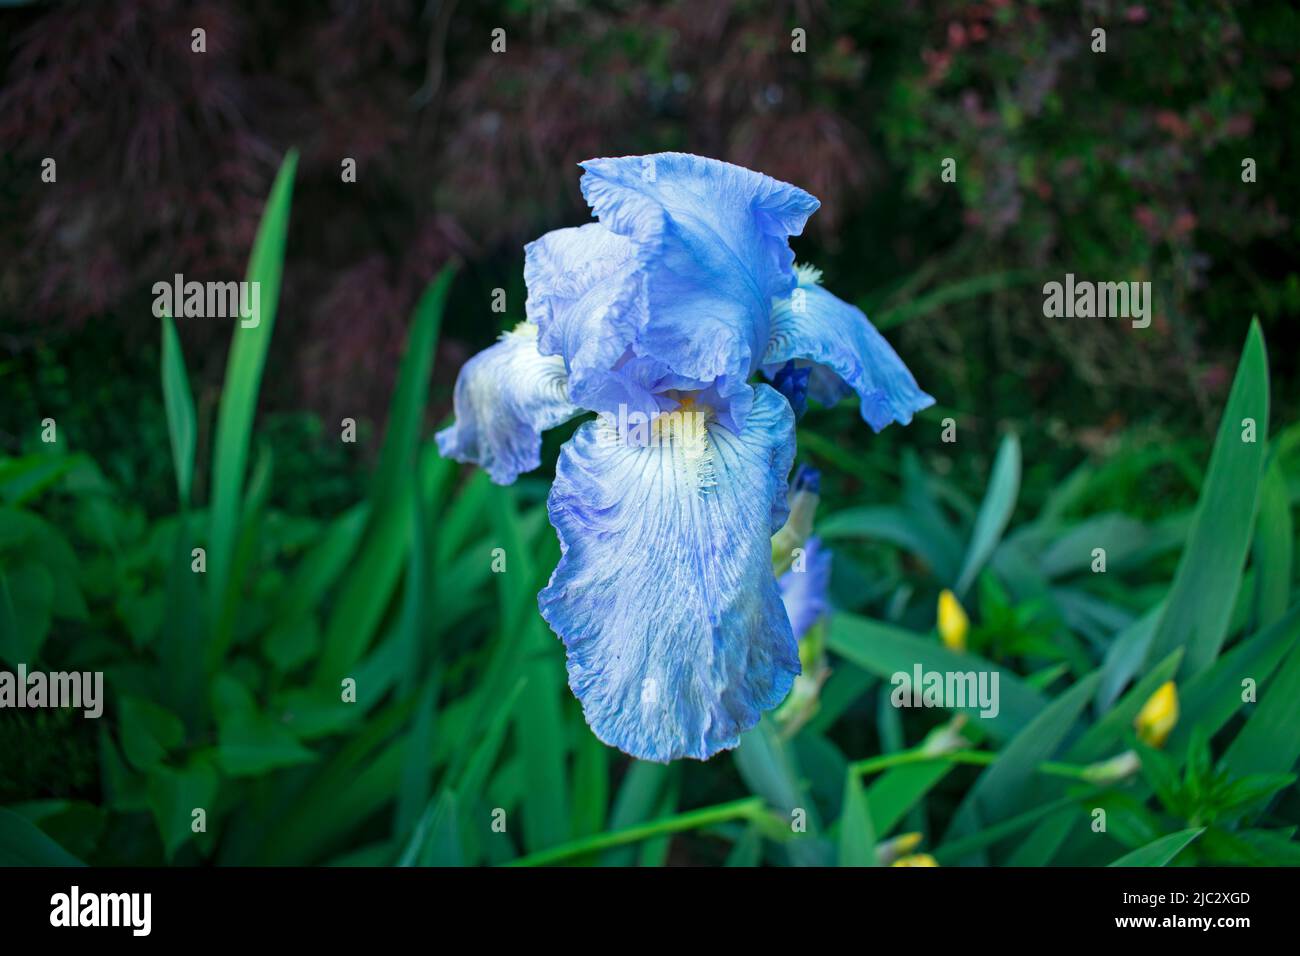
(658, 317)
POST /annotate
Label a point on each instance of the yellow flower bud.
(1158, 716)
(907, 842)
(953, 623)
(916, 859)
(890, 851)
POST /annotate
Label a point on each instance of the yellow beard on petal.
(684, 433)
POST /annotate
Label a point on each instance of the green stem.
(748, 808)
(751, 808)
(975, 757)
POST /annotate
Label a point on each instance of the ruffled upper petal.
(826, 330)
(805, 586)
(709, 250)
(585, 296)
(676, 635)
(505, 397)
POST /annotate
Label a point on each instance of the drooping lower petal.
(676, 635)
(505, 397)
(813, 324)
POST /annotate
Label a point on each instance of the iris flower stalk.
(663, 317)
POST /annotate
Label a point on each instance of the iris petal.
(837, 336)
(505, 397)
(585, 296)
(664, 596)
(712, 251)
(804, 591)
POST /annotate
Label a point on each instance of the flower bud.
(804, 493)
(1158, 716)
(953, 623)
(1113, 770)
(891, 851)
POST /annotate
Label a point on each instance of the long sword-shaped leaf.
(1200, 603)
(995, 511)
(891, 651)
(1161, 851)
(857, 839)
(1004, 788)
(1270, 741)
(179, 403)
(370, 586)
(239, 402)
(1274, 543)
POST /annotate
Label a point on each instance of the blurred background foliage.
(372, 560)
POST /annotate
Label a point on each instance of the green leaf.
(770, 769)
(654, 850)
(857, 838)
(1039, 848)
(174, 795)
(1211, 699)
(23, 844)
(485, 753)
(417, 769)
(251, 742)
(26, 610)
(1204, 591)
(1270, 741)
(1160, 852)
(1160, 771)
(1119, 535)
(148, 731)
(886, 650)
(955, 850)
(890, 524)
(318, 571)
(16, 633)
(590, 783)
(637, 799)
(1005, 787)
(1125, 655)
(896, 791)
(1250, 848)
(1274, 540)
(180, 639)
(415, 630)
(539, 722)
(369, 587)
(24, 479)
(411, 391)
(436, 841)
(73, 824)
(748, 851)
(234, 429)
(995, 512)
(179, 403)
